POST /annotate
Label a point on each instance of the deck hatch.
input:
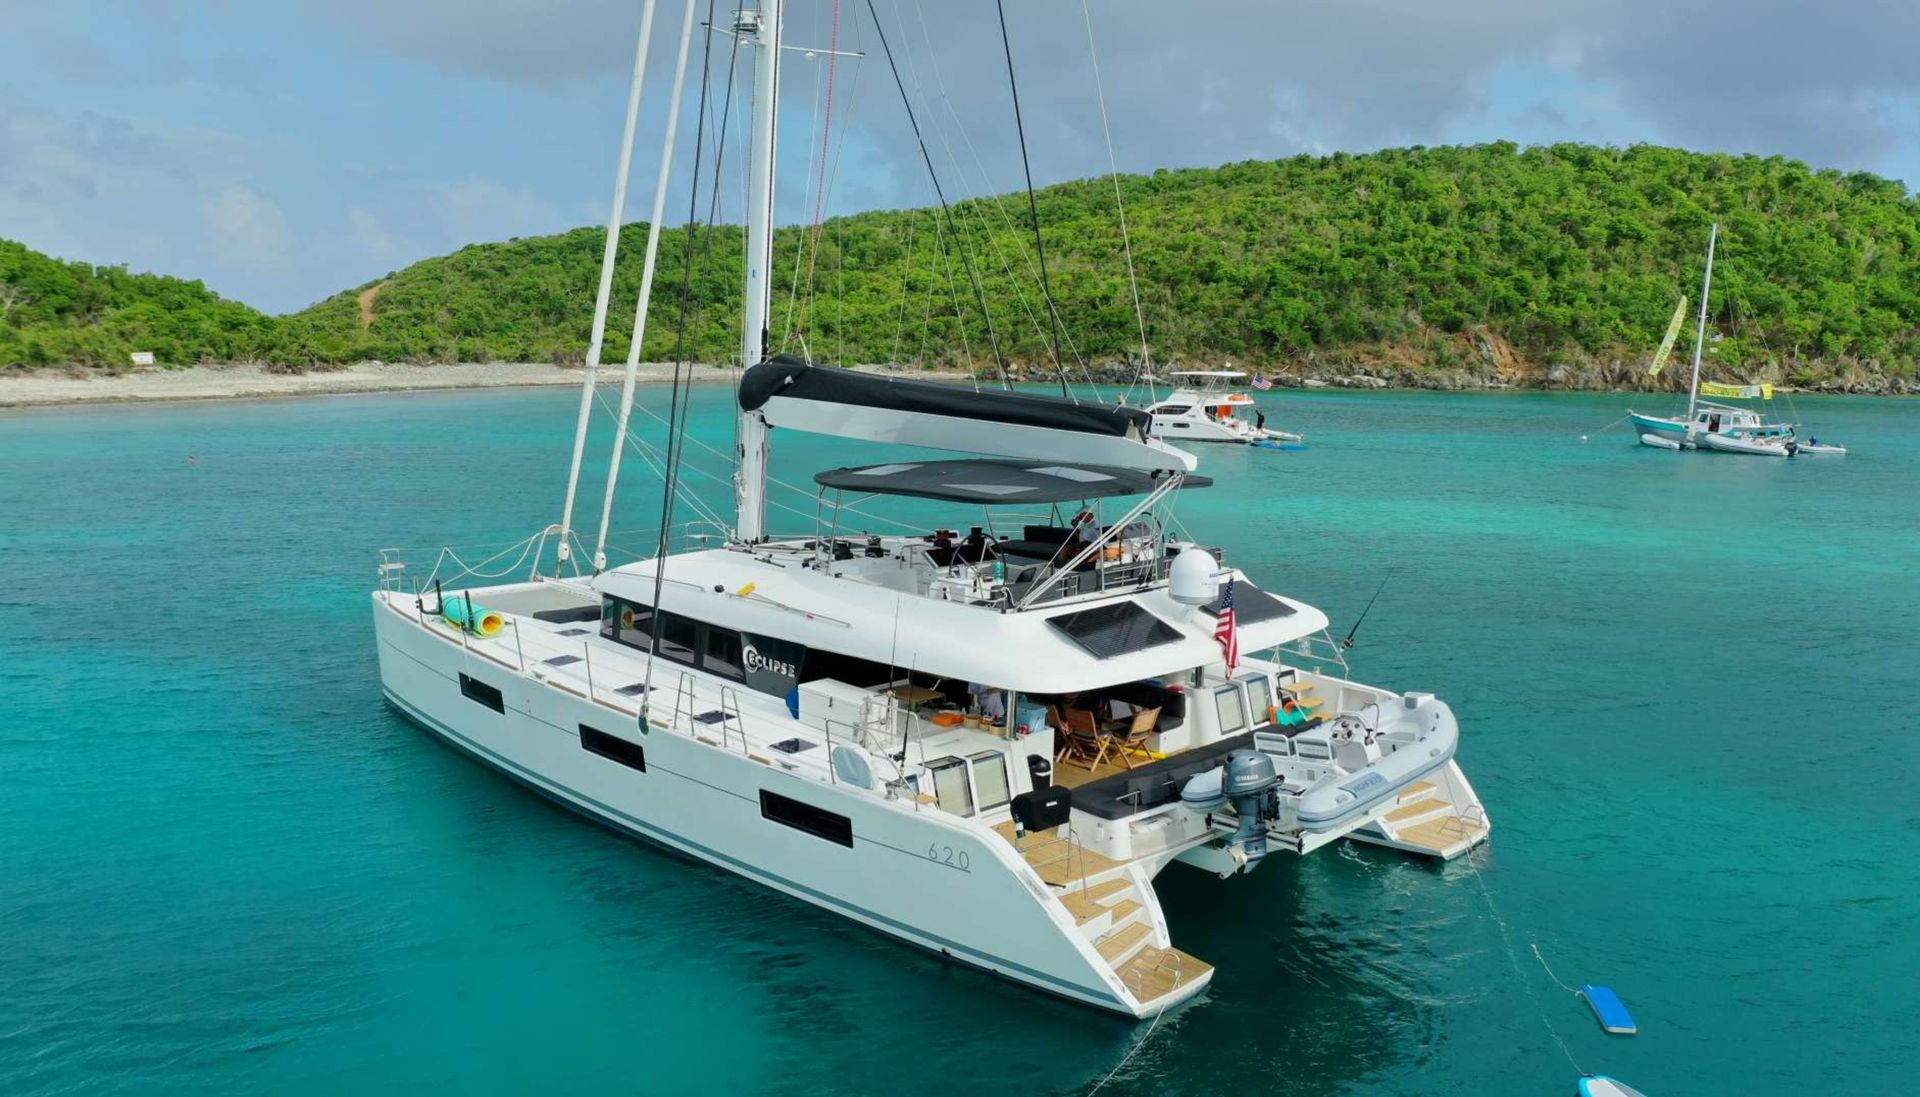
(1106, 631)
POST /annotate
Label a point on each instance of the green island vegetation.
(1555, 266)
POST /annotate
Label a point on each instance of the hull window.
(631, 755)
(476, 690)
(818, 822)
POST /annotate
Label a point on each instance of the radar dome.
(1192, 579)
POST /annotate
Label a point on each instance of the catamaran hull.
(918, 876)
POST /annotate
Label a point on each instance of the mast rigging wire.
(1113, 170)
(826, 144)
(678, 407)
(993, 338)
(1033, 206)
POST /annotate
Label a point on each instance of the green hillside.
(61, 314)
(1476, 263)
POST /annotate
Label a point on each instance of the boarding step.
(1119, 946)
(1101, 909)
(1059, 860)
(1419, 790)
(1446, 837)
(1416, 811)
(1153, 973)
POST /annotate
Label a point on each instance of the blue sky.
(282, 150)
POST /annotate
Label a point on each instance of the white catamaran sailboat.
(871, 724)
(1727, 428)
(1208, 406)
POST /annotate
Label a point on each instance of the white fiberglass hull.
(1728, 444)
(926, 878)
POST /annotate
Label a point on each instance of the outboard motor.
(1247, 781)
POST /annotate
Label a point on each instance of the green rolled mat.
(483, 622)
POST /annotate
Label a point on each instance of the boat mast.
(600, 301)
(762, 29)
(1700, 331)
(646, 290)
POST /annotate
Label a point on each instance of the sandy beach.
(34, 388)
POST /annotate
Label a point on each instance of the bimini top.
(1205, 373)
(997, 481)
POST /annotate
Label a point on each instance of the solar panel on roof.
(1251, 604)
(1117, 629)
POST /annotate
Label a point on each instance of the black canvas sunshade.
(993, 480)
(790, 378)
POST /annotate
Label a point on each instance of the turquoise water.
(1688, 686)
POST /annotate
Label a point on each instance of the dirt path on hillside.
(366, 304)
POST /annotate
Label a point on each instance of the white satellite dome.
(1194, 580)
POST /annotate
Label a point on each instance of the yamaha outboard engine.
(1247, 781)
(1249, 784)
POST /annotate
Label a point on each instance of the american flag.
(1223, 630)
(1260, 382)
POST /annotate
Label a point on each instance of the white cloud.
(245, 230)
(370, 236)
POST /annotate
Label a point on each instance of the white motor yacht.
(1210, 406)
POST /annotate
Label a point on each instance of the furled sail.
(796, 395)
(1673, 333)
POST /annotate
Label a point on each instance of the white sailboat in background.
(1726, 428)
(870, 723)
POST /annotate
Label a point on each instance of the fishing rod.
(1347, 643)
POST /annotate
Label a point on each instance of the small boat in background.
(1708, 425)
(1758, 445)
(1206, 406)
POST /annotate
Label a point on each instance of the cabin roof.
(1032, 651)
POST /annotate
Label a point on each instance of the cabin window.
(476, 690)
(678, 637)
(1231, 702)
(990, 779)
(818, 822)
(1173, 409)
(951, 793)
(627, 623)
(606, 745)
(721, 654)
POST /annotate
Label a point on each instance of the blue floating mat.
(1290, 447)
(1599, 1085)
(1611, 1011)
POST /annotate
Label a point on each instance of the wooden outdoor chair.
(1134, 738)
(1084, 739)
